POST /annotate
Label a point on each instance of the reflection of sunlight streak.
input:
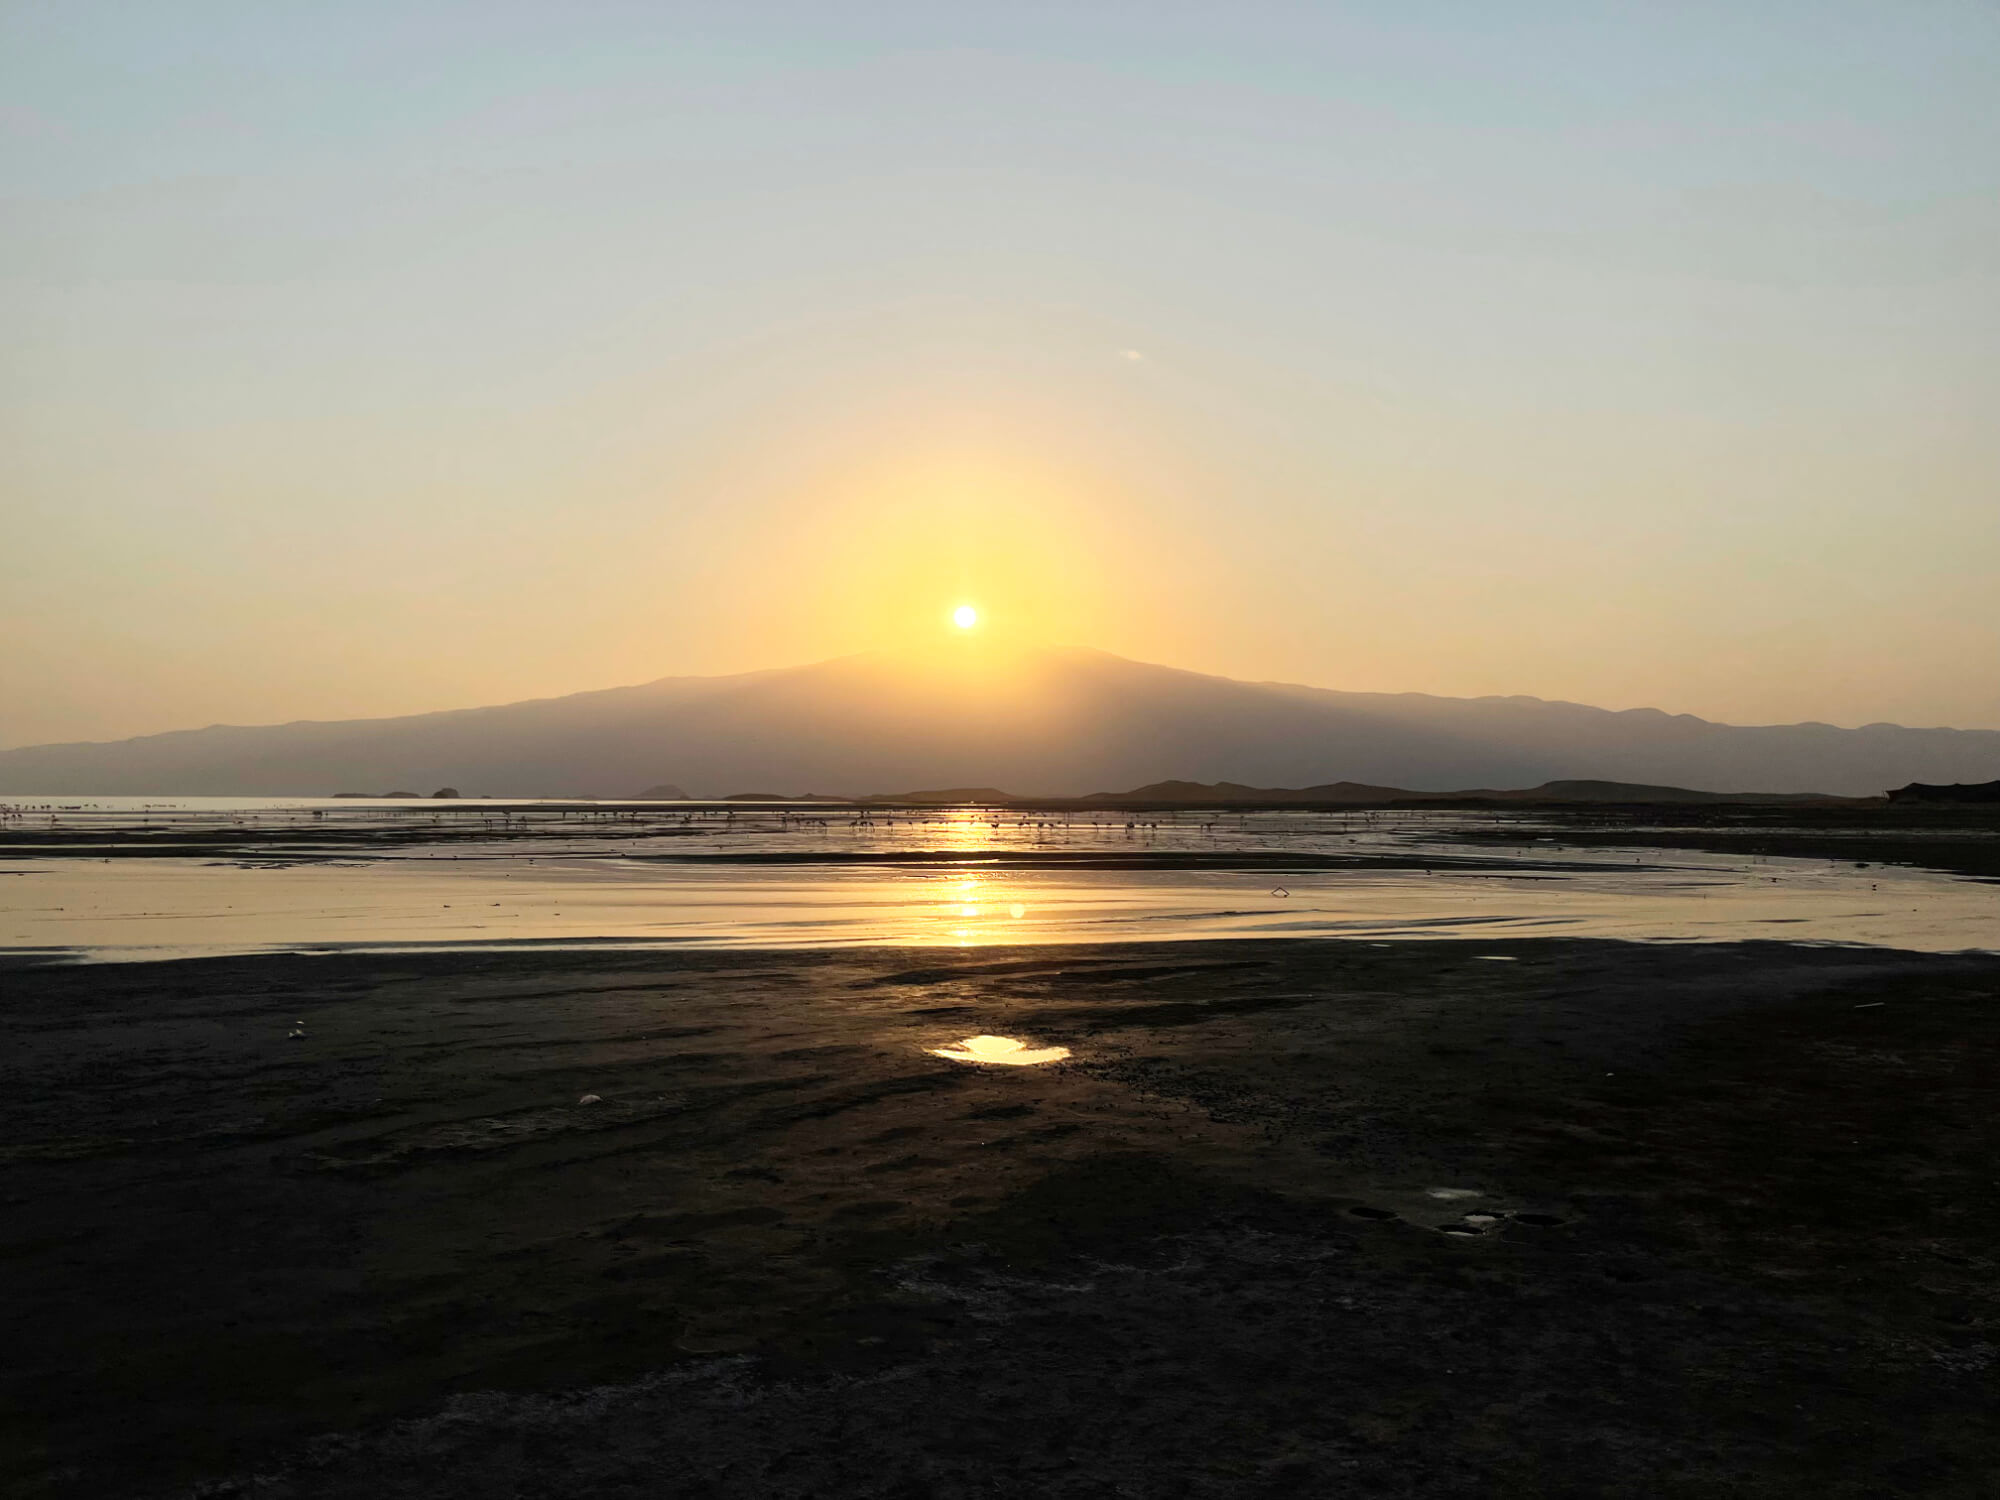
(962, 829)
(1006, 1051)
(583, 889)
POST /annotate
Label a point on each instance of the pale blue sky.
(372, 358)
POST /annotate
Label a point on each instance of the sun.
(965, 617)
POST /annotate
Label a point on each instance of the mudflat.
(1417, 1219)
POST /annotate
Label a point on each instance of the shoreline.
(963, 879)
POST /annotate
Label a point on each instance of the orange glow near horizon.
(907, 542)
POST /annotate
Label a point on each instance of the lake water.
(127, 878)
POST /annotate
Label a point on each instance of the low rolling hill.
(1043, 722)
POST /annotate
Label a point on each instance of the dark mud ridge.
(1955, 840)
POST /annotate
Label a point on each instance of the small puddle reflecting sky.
(1006, 1051)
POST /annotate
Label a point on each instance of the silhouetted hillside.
(1230, 794)
(959, 796)
(1917, 791)
(1062, 722)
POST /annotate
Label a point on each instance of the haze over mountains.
(1055, 721)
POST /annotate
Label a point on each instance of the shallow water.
(271, 876)
(999, 1051)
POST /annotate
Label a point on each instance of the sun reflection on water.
(1003, 1051)
(969, 898)
(1412, 878)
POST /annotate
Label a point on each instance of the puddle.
(1451, 1193)
(1006, 1051)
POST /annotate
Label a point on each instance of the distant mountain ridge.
(1053, 721)
(1233, 792)
(1228, 794)
(1984, 791)
(953, 796)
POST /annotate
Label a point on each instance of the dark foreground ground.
(1737, 1224)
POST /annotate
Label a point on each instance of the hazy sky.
(370, 358)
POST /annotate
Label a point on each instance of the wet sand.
(1290, 1218)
